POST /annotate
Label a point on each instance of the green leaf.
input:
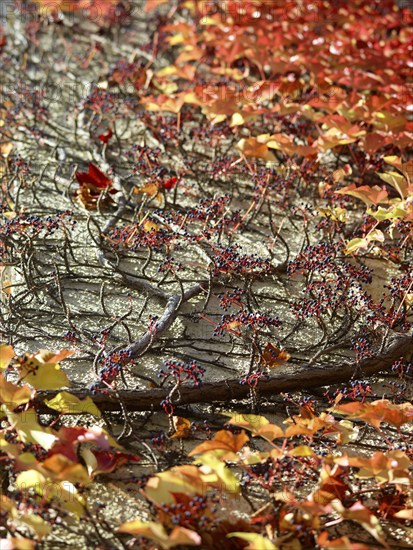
(356, 244)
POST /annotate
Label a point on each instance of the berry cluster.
(402, 368)
(204, 427)
(189, 512)
(112, 365)
(358, 389)
(222, 167)
(170, 265)
(183, 372)
(253, 378)
(338, 282)
(71, 336)
(147, 161)
(318, 257)
(167, 406)
(108, 104)
(159, 440)
(362, 346)
(231, 298)
(135, 237)
(229, 260)
(32, 225)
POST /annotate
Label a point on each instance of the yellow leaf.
(67, 403)
(6, 149)
(160, 487)
(257, 542)
(148, 529)
(252, 148)
(61, 468)
(5, 287)
(397, 181)
(150, 226)
(180, 536)
(356, 244)
(337, 214)
(12, 395)
(30, 431)
(302, 450)
(6, 355)
(250, 422)
(237, 120)
(37, 524)
(30, 479)
(226, 479)
(19, 543)
(405, 514)
(44, 376)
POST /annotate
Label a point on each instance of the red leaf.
(94, 176)
(170, 183)
(106, 136)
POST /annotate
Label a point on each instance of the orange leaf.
(182, 427)
(274, 356)
(224, 440)
(369, 195)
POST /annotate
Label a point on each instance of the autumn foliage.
(257, 115)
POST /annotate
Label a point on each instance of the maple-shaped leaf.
(273, 356)
(376, 412)
(6, 355)
(406, 514)
(94, 184)
(105, 462)
(182, 427)
(363, 516)
(369, 195)
(105, 137)
(56, 480)
(42, 370)
(152, 5)
(390, 467)
(62, 468)
(223, 440)
(12, 395)
(252, 148)
(210, 466)
(99, 11)
(259, 426)
(162, 487)
(67, 403)
(398, 181)
(406, 168)
(30, 431)
(69, 439)
(170, 183)
(156, 532)
(94, 176)
(256, 541)
(331, 485)
(356, 244)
